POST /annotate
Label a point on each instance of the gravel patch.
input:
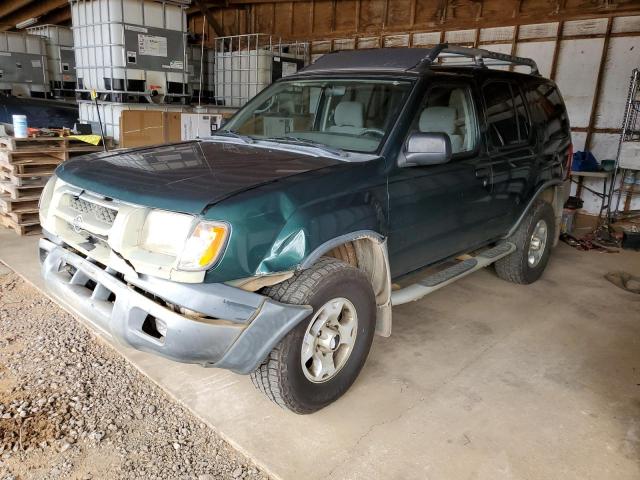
(71, 407)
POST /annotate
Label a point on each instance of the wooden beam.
(556, 51)
(290, 19)
(209, 16)
(596, 94)
(33, 10)
(57, 17)
(514, 42)
(412, 13)
(11, 6)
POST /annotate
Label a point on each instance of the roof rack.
(478, 55)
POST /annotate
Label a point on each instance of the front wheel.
(533, 240)
(320, 358)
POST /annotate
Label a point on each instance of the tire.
(516, 267)
(281, 377)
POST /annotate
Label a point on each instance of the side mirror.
(420, 149)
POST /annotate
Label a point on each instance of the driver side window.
(448, 109)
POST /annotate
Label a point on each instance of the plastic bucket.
(568, 215)
(20, 126)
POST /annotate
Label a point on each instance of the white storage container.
(196, 61)
(245, 64)
(23, 65)
(61, 62)
(110, 114)
(131, 50)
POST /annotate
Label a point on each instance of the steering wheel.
(375, 131)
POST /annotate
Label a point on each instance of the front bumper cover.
(243, 328)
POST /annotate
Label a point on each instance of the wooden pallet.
(39, 144)
(24, 218)
(29, 228)
(7, 205)
(23, 180)
(54, 149)
(50, 154)
(31, 167)
(21, 193)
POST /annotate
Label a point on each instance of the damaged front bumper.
(235, 329)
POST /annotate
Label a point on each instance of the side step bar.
(441, 279)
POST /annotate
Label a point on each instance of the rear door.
(512, 147)
(439, 210)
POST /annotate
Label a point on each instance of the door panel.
(511, 148)
(439, 210)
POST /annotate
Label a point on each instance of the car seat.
(441, 119)
(348, 118)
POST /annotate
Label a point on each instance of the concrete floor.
(481, 380)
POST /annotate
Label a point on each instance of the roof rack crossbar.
(478, 55)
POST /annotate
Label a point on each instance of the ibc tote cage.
(246, 64)
(126, 89)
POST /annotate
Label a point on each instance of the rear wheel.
(320, 359)
(533, 240)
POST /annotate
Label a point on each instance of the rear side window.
(507, 119)
(546, 105)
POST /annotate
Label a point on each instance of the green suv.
(277, 247)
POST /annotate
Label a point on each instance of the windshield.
(344, 114)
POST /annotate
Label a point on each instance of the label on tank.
(152, 45)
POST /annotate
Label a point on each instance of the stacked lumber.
(25, 166)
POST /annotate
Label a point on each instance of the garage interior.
(482, 379)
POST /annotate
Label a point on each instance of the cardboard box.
(141, 128)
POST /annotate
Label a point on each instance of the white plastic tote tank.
(195, 62)
(130, 50)
(23, 65)
(61, 62)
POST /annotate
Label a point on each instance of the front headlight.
(196, 245)
(204, 246)
(165, 232)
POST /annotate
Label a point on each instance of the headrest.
(349, 114)
(438, 119)
(457, 100)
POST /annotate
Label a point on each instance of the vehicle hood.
(185, 177)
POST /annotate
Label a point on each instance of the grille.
(104, 214)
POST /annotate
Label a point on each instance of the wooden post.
(556, 51)
(596, 94)
(210, 20)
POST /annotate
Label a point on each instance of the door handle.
(483, 175)
(483, 172)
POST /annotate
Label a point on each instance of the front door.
(439, 210)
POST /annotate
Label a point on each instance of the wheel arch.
(367, 251)
(552, 192)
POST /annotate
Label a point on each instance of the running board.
(449, 275)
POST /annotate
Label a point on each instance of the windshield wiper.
(233, 134)
(307, 143)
